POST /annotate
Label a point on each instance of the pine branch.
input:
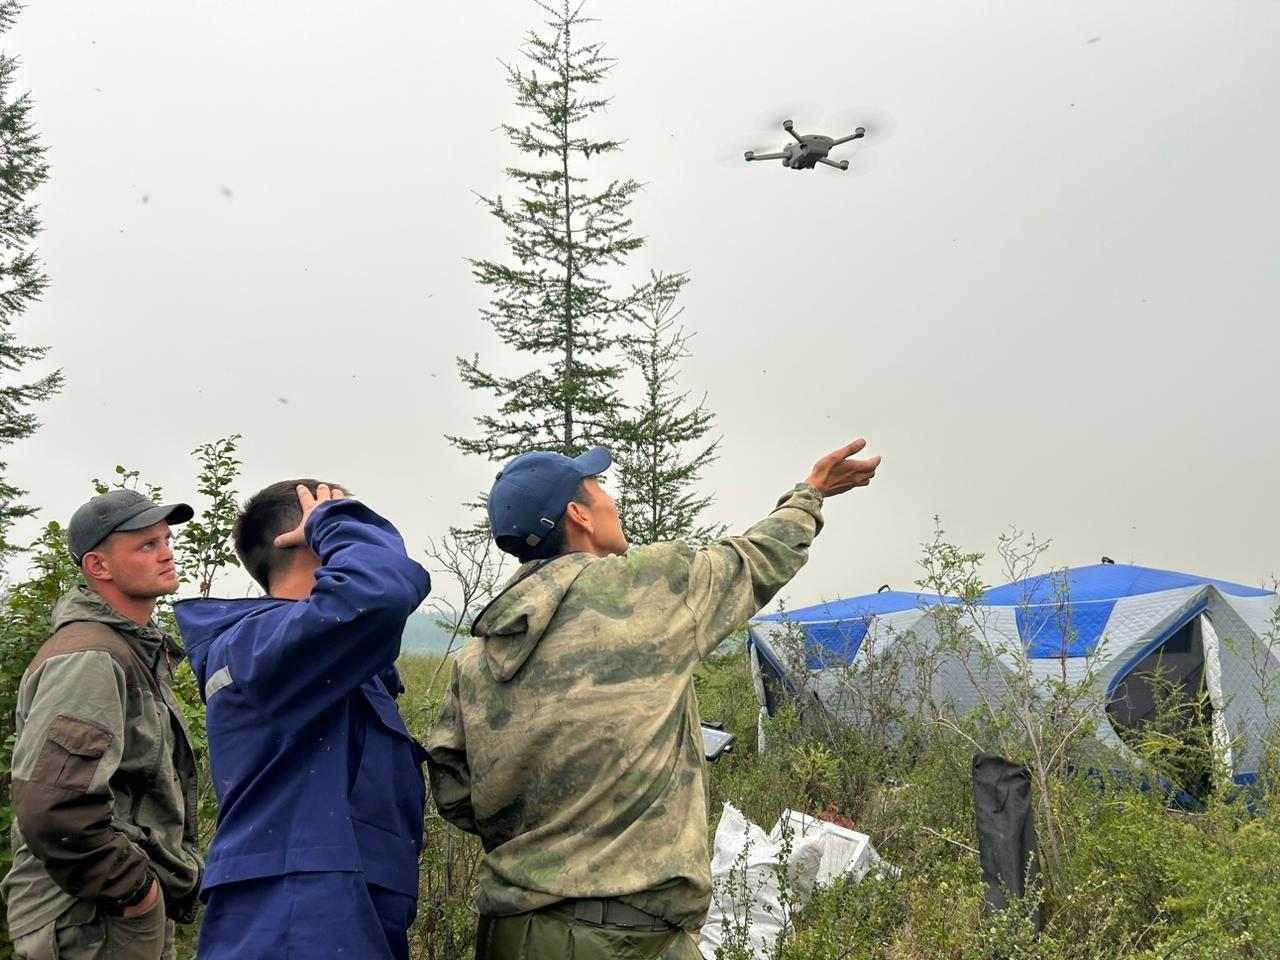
(661, 451)
(22, 282)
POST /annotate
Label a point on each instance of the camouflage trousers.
(552, 935)
(85, 932)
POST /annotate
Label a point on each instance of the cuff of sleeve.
(803, 496)
(117, 905)
(323, 516)
(800, 495)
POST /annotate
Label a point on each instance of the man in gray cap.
(105, 838)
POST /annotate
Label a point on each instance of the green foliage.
(22, 282)
(126, 479)
(655, 469)
(204, 544)
(552, 299)
(556, 300)
(445, 927)
(26, 612)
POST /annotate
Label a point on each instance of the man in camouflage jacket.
(569, 738)
(105, 839)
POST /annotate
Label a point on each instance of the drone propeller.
(878, 124)
(861, 162)
(731, 157)
(769, 122)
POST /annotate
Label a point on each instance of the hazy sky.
(1053, 303)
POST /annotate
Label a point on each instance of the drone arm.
(766, 156)
(787, 126)
(856, 135)
(838, 164)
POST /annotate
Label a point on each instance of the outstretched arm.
(732, 580)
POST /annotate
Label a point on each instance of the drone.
(809, 150)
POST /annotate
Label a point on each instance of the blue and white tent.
(1128, 623)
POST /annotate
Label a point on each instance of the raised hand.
(837, 471)
(297, 537)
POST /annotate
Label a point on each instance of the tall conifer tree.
(550, 298)
(22, 170)
(660, 453)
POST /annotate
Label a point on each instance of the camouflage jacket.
(569, 738)
(104, 776)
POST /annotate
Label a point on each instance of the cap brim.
(594, 462)
(171, 512)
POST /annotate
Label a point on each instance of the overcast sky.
(1052, 304)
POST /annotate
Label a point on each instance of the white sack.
(751, 896)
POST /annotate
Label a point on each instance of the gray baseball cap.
(118, 510)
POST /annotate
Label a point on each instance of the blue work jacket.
(310, 759)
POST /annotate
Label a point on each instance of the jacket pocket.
(71, 753)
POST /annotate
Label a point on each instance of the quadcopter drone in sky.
(809, 150)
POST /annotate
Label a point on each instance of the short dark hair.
(553, 544)
(268, 513)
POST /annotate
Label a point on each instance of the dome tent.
(1127, 624)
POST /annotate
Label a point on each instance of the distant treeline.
(423, 634)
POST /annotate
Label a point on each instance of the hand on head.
(838, 471)
(297, 537)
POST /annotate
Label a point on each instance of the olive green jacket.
(104, 776)
(569, 738)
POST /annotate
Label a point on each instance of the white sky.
(1052, 304)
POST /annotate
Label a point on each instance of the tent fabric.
(872, 605)
(834, 631)
(1050, 630)
(1115, 617)
(1108, 581)
(838, 641)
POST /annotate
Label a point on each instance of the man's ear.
(580, 516)
(95, 567)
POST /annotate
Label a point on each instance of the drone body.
(808, 151)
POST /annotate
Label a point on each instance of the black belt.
(609, 912)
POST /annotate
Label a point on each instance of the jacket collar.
(81, 604)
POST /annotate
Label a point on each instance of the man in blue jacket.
(319, 783)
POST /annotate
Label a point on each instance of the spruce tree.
(659, 453)
(551, 298)
(22, 170)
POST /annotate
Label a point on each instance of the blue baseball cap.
(533, 491)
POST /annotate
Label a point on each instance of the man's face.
(140, 562)
(607, 532)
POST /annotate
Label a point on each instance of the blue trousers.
(309, 915)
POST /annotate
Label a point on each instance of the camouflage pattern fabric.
(569, 738)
